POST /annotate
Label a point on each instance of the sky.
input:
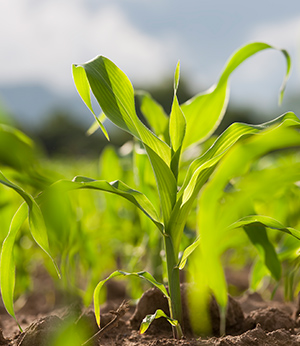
(41, 39)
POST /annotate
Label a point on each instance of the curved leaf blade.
(39, 233)
(212, 219)
(187, 252)
(248, 50)
(202, 168)
(177, 127)
(212, 103)
(95, 125)
(205, 111)
(114, 93)
(259, 238)
(7, 265)
(143, 275)
(83, 88)
(36, 221)
(264, 221)
(116, 187)
(150, 318)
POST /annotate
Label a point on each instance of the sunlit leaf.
(98, 122)
(254, 225)
(205, 111)
(166, 184)
(212, 222)
(266, 222)
(177, 127)
(202, 168)
(258, 272)
(146, 322)
(115, 95)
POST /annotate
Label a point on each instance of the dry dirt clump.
(153, 299)
(250, 321)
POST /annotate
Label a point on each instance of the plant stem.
(174, 286)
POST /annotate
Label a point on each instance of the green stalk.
(174, 286)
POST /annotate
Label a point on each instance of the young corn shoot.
(188, 124)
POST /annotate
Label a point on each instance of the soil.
(250, 320)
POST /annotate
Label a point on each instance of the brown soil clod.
(234, 317)
(3, 340)
(39, 333)
(120, 312)
(269, 319)
(154, 299)
(150, 301)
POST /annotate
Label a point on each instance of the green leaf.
(254, 226)
(202, 168)
(205, 111)
(176, 77)
(114, 93)
(187, 252)
(198, 173)
(258, 272)
(166, 183)
(83, 88)
(7, 265)
(38, 231)
(212, 219)
(143, 275)
(150, 318)
(248, 50)
(94, 127)
(36, 221)
(177, 127)
(259, 238)
(116, 187)
(264, 221)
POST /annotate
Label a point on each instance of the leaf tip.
(176, 76)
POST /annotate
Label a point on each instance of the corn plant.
(177, 186)
(188, 124)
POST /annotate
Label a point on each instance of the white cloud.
(41, 39)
